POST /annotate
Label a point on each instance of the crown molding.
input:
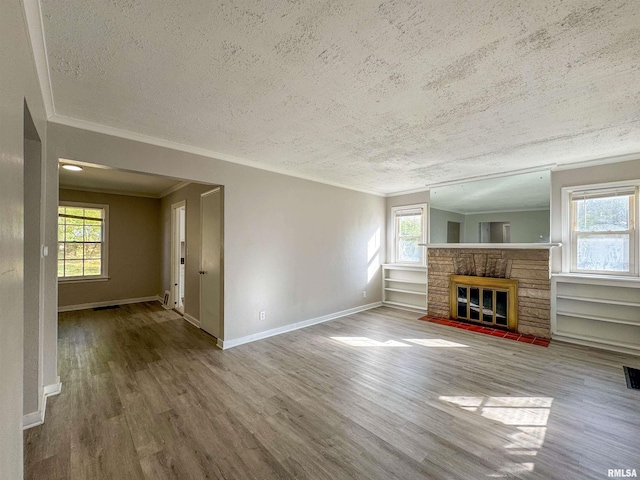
(33, 17)
(175, 188)
(597, 161)
(159, 142)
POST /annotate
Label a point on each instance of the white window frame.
(569, 237)
(104, 261)
(423, 239)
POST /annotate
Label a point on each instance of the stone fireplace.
(484, 273)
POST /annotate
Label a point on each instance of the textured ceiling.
(385, 95)
(115, 181)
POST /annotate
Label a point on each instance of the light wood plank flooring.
(376, 395)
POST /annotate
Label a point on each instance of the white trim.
(405, 306)
(497, 246)
(603, 280)
(33, 16)
(37, 418)
(108, 303)
(596, 162)
(567, 227)
(192, 320)
(226, 344)
(116, 132)
(595, 343)
(541, 168)
(426, 220)
(175, 188)
(175, 262)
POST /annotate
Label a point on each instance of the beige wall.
(191, 195)
(294, 248)
(134, 250)
(18, 81)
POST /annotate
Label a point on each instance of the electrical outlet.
(364, 294)
(263, 315)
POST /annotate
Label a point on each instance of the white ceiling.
(378, 95)
(107, 180)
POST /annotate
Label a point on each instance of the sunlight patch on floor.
(529, 415)
(424, 342)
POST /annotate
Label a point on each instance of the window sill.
(597, 279)
(82, 280)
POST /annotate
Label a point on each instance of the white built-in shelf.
(498, 246)
(598, 318)
(598, 310)
(397, 275)
(413, 282)
(412, 292)
(606, 301)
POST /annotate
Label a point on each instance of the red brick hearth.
(543, 342)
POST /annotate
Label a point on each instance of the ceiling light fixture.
(73, 168)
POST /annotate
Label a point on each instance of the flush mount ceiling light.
(73, 168)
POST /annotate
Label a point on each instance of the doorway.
(178, 253)
(33, 272)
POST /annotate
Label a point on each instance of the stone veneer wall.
(530, 267)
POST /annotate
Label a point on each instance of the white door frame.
(175, 252)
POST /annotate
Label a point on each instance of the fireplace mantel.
(497, 246)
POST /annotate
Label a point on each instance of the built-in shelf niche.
(405, 286)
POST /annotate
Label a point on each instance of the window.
(603, 230)
(82, 245)
(409, 230)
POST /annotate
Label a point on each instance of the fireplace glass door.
(482, 305)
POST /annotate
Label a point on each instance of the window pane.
(61, 251)
(73, 233)
(408, 250)
(92, 251)
(93, 212)
(73, 251)
(61, 233)
(60, 268)
(410, 226)
(73, 268)
(602, 214)
(603, 252)
(92, 233)
(92, 267)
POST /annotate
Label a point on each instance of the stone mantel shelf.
(495, 246)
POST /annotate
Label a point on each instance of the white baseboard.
(192, 320)
(107, 303)
(226, 344)
(37, 418)
(619, 348)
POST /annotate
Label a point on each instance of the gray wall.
(18, 81)
(438, 224)
(294, 248)
(191, 195)
(526, 227)
(32, 261)
(134, 250)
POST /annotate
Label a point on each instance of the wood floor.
(376, 395)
